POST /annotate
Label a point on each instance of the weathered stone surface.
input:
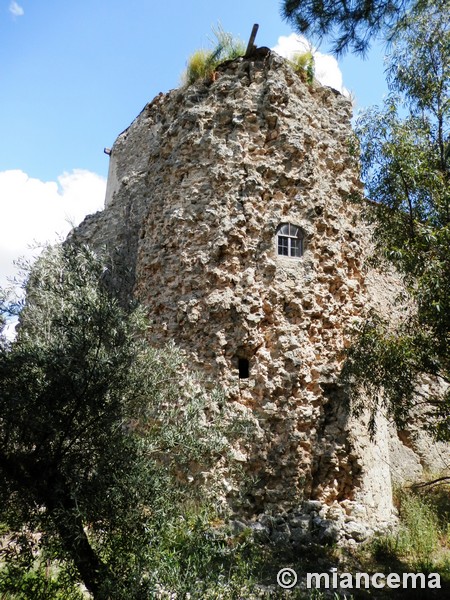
(323, 525)
(198, 185)
(280, 538)
(261, 533)
(299, 535)
(356, 531)
(312, 505)
(299, 522)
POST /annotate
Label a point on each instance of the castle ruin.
(230, 206)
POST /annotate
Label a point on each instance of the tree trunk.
(93, 571)
(63, 511)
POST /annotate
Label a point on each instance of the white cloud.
(327, 70)
(39, 211)
(292, 44)
(16, 10)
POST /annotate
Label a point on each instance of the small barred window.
(290, 241)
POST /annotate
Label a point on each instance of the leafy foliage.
(303, 65)
(203, 63)
(349, 24)
(420, 532)
(421, 543)
(102, 439)
(406, 169)
(41, 582)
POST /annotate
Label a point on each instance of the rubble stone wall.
(198, 186)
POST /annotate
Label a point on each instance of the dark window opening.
(244, 368)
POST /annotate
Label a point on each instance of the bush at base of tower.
(103, 440)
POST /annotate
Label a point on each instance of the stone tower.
(229, 207)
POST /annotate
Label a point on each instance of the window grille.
(290, 241)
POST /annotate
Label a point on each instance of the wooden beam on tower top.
(251, 42)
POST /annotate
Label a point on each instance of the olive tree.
(102, 438)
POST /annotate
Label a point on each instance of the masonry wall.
(198, 185)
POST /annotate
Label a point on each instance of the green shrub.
(419, 541)
(195, 553)
(203, 63)
(200, 66)
(419, 535)
(40, 582)
(303, 65)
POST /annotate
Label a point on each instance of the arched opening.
(290, 241)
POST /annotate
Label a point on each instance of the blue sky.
(74, 74)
